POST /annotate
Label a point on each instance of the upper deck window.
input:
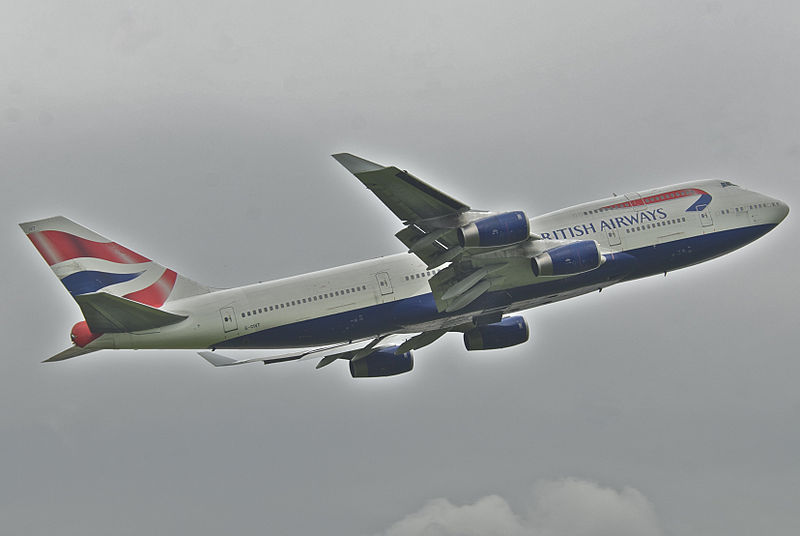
(725, 184)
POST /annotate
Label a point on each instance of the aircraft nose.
(782, 212)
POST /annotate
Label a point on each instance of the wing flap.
(432, 248)
(420, 341)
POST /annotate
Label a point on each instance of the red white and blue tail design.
(87, 262)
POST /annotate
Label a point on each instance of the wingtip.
(69, 353)
(217, 360)
(355, 164)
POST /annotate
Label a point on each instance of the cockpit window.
(725, 184)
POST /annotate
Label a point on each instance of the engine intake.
(500, 230)
(508, 332)
(382, 362)
(569, 259)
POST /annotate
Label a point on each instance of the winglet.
(356, 165)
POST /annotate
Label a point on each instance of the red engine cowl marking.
(81, 335)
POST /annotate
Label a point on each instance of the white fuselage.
(391, 294)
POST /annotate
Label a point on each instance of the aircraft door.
(385, 286)
(705, 216)
(613, 238)
(228, 319)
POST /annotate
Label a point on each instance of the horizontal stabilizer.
(69, 353)
(105, 313)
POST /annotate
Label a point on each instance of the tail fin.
(87, 262)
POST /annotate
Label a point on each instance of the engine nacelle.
(383, 362)
(508, 332)
(81, 335)
(569, 259)
(500, 230)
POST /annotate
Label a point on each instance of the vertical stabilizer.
(87, 262)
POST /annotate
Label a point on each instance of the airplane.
(465, 271)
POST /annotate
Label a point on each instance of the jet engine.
(493, 231)
(570, 259)
(510, 331)
(382, 362)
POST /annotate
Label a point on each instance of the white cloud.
(567, 507)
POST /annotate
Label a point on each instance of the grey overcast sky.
(199, 134)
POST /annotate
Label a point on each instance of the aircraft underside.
(419, 313)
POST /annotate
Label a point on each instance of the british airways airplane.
(465, 271)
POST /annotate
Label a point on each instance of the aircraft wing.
(409, 198)
(329, 354)
(431, 216)
(433, 221)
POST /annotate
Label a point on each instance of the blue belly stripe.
(388, 317)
